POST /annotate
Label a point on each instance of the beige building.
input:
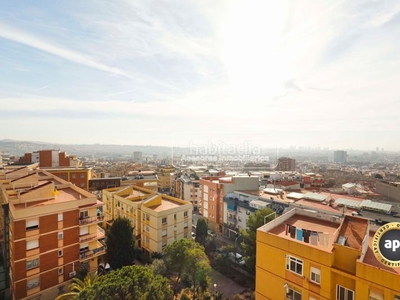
(164, 178)
(158, 219)
(53, 232)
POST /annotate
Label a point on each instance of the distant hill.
(14, 147)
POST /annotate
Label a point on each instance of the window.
(32, 244)
(83, 214)
(32, 224)
(294, 264)
(164, 220)
(315, 275)
(60, 253)
(174, 216)
(147, 228)
(293, 295)
(375, 295)
(164, 232)
(31, 264)
(60, 235)
(60, 271)
(82, 184)
(73, 176)
(60, 217)
(344, 294)
(185, 214)
(30, 284)
(82, 176)
(147, 217)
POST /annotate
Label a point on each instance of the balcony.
(90, 220)
(100, 234)
(92, 253)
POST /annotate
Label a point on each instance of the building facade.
(286, 164)
(308, 255)
(340, 156)
(164, 178)
(158, 219)
(388, 189)
(77, 176)
(213, 191)
(50, 159)
(52, 232)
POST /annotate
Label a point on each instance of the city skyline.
(315, 74)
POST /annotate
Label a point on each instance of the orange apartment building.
(53, 232)
(315, 256)
(213, 190)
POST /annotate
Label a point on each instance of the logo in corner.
(386, 244)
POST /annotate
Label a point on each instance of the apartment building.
(164, 178)
(158, 219)
(286, 164)
(390, 189)
(188, 189)
(77, 176)
(51, 232)
(213, 191)
(308, 255)
(50, 159)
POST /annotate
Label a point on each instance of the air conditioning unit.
(72, 274)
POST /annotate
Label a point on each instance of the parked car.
(236, 258)
(211, 233)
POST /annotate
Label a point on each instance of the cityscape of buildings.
(56, 208)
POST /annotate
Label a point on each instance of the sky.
(254, 73)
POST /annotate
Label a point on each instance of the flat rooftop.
(62, 195)
(165, 205)
(306, 223)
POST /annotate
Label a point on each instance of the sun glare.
(252, 47)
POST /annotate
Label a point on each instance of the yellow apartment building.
(314, 256)
(165, 220)
(53, 232)
(164, 178)
(158, 219)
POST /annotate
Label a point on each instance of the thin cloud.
(15, 35)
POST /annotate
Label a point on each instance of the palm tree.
(77, 286)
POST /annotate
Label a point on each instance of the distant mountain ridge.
(15, 147)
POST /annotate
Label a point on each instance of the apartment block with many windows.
(158, 219)
(314, 256)
(52, 229)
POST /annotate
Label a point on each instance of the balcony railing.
(90, 220)
(91, 253)
(95, 236)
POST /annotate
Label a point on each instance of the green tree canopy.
(201, 231)
(120, 244)
(249, 236)
(129, 283)
(77, 286)
(187, 258)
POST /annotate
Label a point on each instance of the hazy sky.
(265, 73)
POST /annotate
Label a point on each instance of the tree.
(201, 231)
(129, 282)
(120, 244)
(378, 176)
(77, 286)
(158, 267)
(187, 258)
(249, 236)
